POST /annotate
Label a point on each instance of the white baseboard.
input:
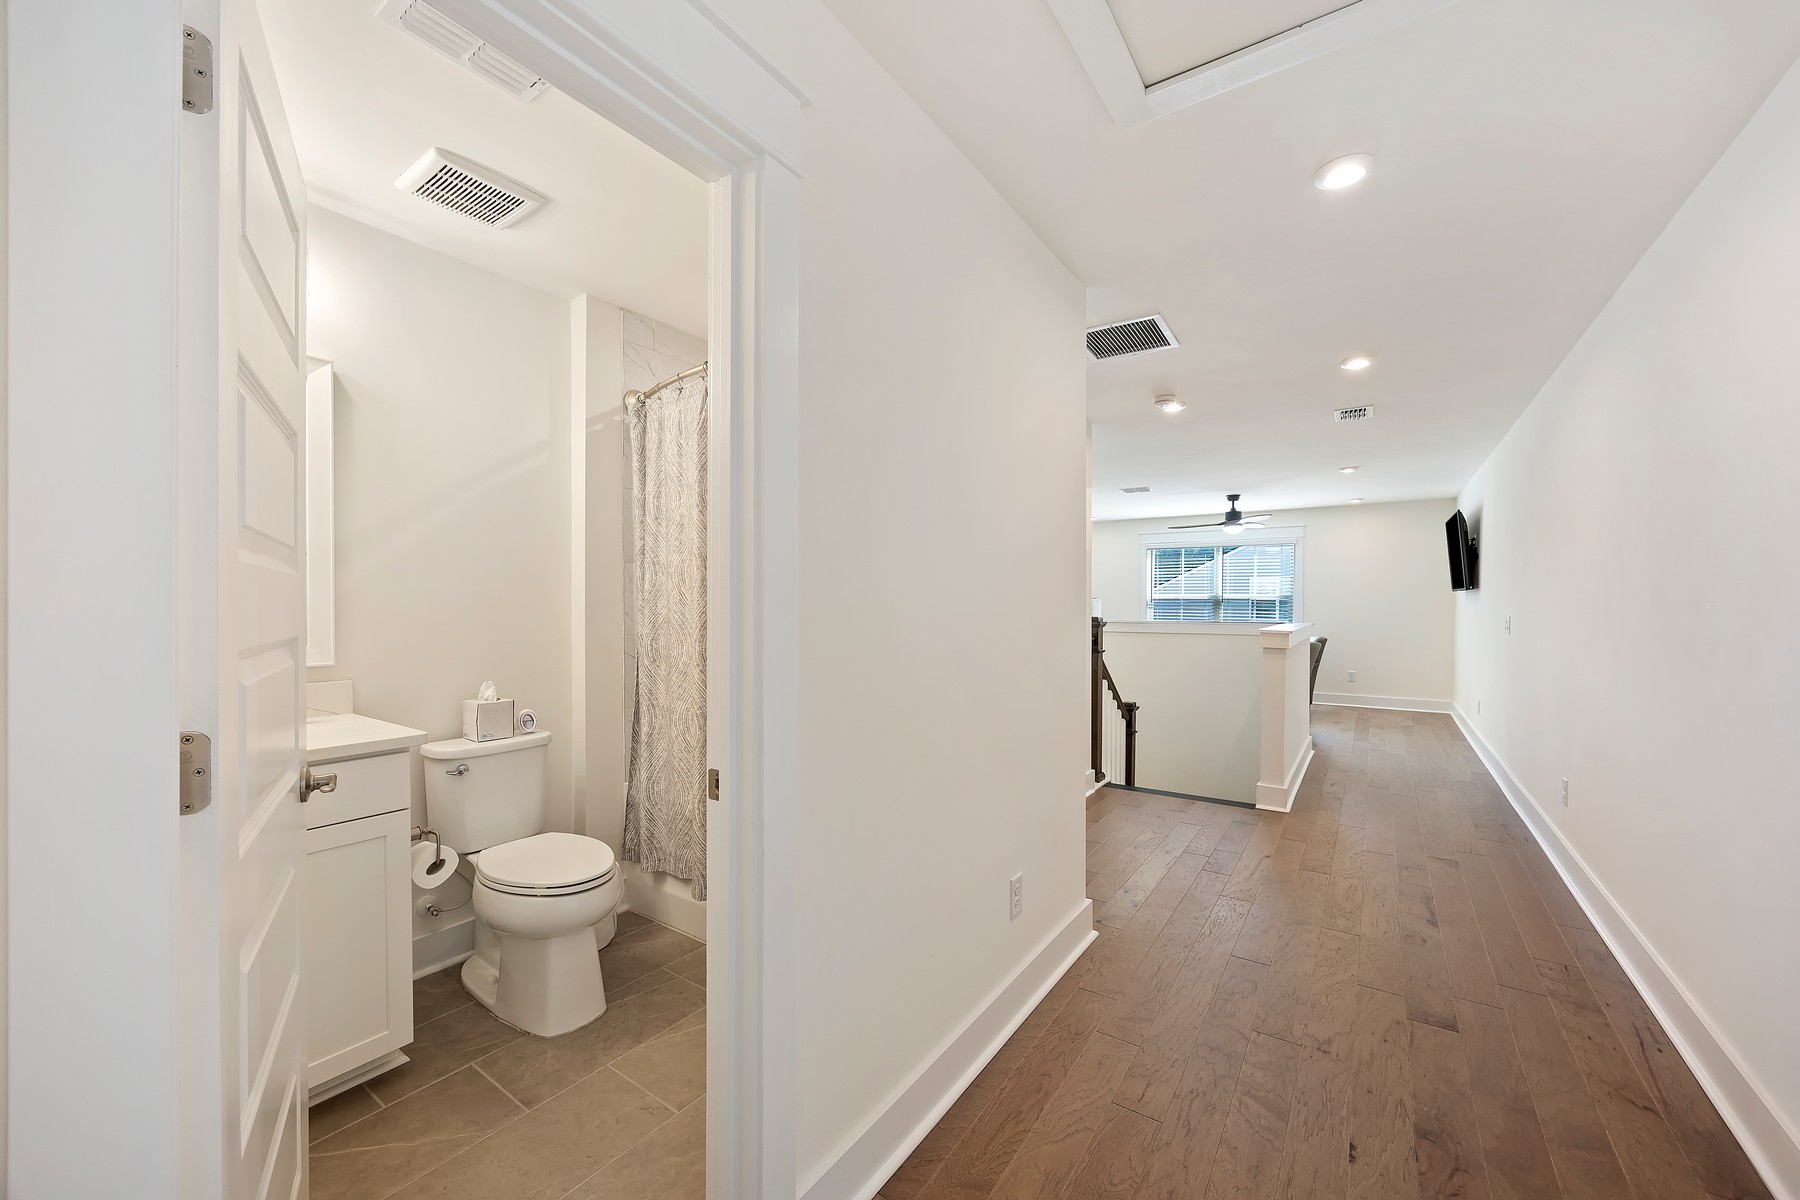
(1279, 797)
(1398, 703)
(874, 1154)
(665, 900)
(1772, 1145)
(1092, 784)
(443, 947)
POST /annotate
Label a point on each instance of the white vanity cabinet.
(356, 919)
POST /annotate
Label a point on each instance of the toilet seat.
(546, 864)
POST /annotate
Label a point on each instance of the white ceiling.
(366, 100)
(1167, 37)
(1528, 152)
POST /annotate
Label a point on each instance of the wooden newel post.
(1129, 708)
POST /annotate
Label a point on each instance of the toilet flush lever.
(458, 769)
(310, 783)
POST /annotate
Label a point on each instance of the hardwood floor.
(1386, 993)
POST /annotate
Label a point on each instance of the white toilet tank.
(479, 794)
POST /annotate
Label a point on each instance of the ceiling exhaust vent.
(1361, 412)
(1134, 491)
(453, 41)
(1141, 336)
(454, 182)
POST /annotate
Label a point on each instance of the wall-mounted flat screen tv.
(1464, 557)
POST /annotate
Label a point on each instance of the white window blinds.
(1252, 583)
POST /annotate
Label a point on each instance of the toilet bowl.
(544, 902)
(542, 898)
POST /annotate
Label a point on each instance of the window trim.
(1286, 535)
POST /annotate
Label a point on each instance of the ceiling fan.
(1234, 520)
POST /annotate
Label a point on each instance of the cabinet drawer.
(366, 787)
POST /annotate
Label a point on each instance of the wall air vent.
(1140, 336)
(1361, 412)
(1134, 491)
(453, 182)
(453, 41)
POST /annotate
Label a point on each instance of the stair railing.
(1112, 748)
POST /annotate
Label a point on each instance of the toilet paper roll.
(424, 858)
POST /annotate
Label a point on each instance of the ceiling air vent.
(453, 41)
(453, 182)
(1134, 491)
(1141, 336)
(1361, 412)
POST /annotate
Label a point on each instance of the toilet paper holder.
(420, 833)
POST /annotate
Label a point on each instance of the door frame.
(83, 428)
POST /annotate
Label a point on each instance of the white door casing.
(685, 81)
(243, 474)
(114, 456)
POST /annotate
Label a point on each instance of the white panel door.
(252, 474)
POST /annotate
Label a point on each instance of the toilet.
(544, 902)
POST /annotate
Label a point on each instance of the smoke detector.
(463, 186)
(1143, 335)
(454, 42)
(1361, 412)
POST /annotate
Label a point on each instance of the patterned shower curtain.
(665, 796)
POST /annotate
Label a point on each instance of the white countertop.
(352, 735)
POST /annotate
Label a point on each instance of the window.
(1248, 582)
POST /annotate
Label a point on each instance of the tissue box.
(487, 720)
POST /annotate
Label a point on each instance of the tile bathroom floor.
(484, 1112)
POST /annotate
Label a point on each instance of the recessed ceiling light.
(1356, 499)
(1343, 172)
(1346, 470)
(1169, 404)
(1361, 362)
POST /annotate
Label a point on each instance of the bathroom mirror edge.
(321, 606)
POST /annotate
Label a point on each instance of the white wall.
(942, 410)
(92, 488)
(3, 771)
(1373, 580)
(1636, 527)
(1199, 700)
(453, 467)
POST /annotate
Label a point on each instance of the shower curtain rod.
(673, 379)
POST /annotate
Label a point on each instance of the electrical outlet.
(1016, 895)
(1353, 677)
(1565, 793)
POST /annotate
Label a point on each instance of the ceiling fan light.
(1251, 525)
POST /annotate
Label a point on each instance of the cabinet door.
(358, 946)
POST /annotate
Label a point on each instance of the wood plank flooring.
(1386, 993)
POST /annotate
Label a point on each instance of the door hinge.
(196, 771)
(712, 783)
(196, 71)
